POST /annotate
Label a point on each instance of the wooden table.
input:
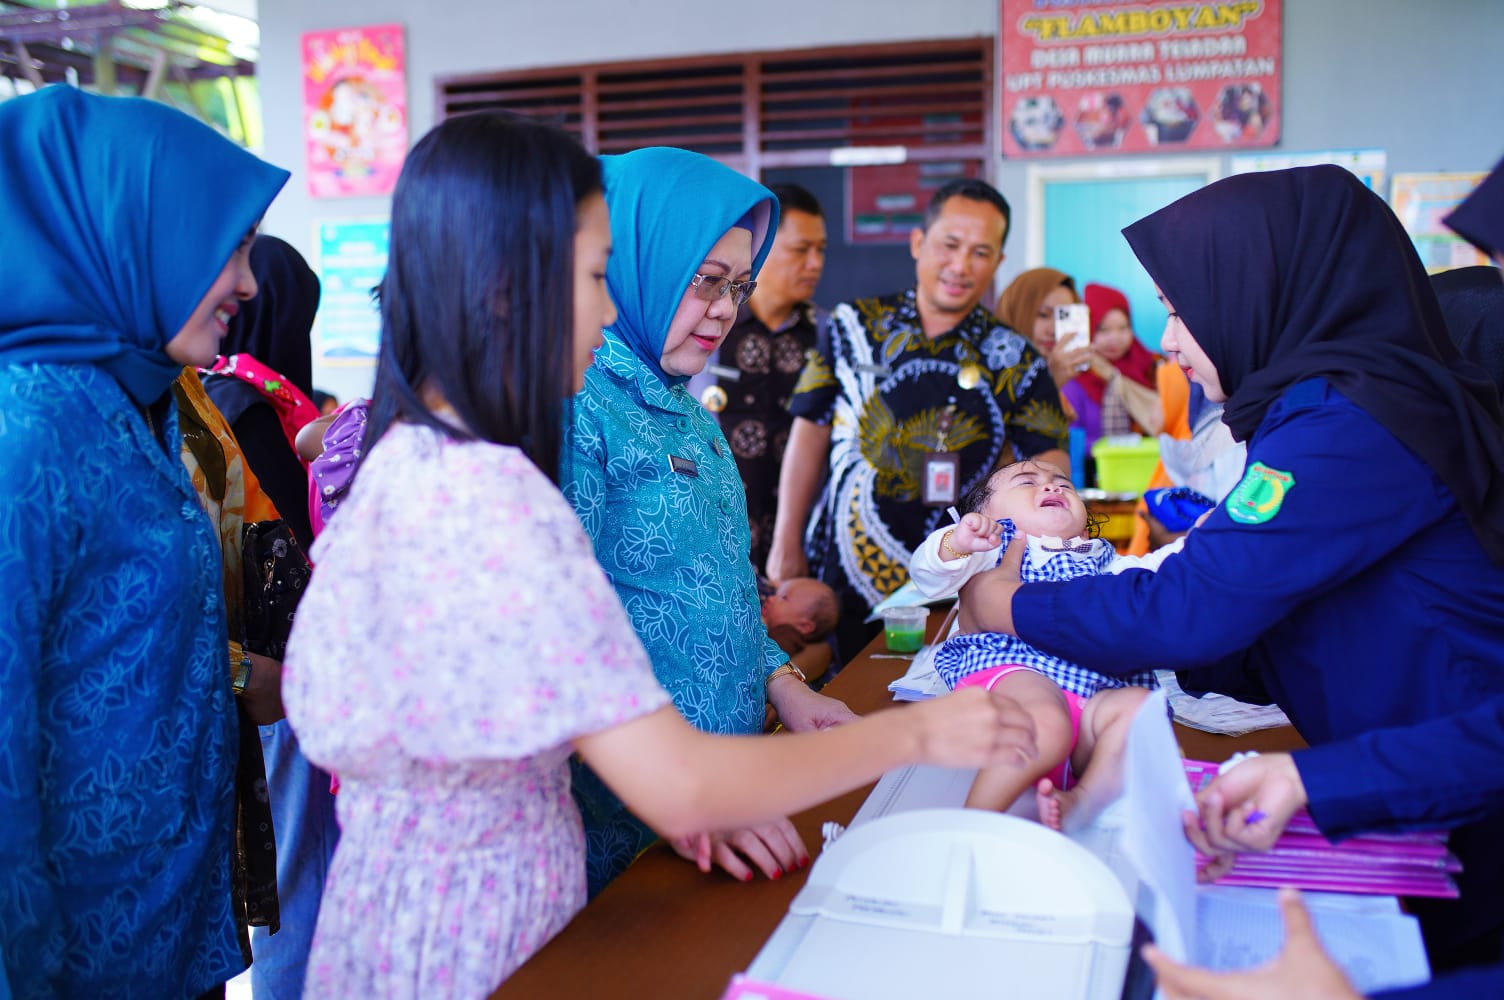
(664, 930)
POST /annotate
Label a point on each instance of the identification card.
(942, 476)
(684, 466)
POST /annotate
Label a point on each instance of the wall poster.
(350, 259)
(354, 110)
(1421, 201)
(1109, 78)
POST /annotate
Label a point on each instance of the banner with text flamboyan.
(1086, 78)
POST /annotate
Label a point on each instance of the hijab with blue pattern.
(668, 208)
(118, 215)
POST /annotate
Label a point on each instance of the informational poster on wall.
(1107, 78)
(1368, 165)
(354, 110)
(885, 203)
(350, 259)
(1421, 201)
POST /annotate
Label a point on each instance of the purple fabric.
(1088, 412)
(330, 474)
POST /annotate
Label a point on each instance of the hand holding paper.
(1247, 807)
(1302, 971)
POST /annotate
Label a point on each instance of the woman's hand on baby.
(1245, 808)
(986, 601)
(976, 533)
(771, 849)
(973, 728)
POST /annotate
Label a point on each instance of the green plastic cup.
(903, 628)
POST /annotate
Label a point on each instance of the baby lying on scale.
(1081, 717)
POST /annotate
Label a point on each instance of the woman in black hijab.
(274, 328)
(1355, 572)
(1472, 300)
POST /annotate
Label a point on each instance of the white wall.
(468, 36)
(1419, 79)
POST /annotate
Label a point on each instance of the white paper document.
(920, 682)
(1154, 794)
(1378, 951)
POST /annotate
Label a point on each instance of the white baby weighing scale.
(953, 903)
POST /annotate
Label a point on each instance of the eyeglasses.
(711, 287)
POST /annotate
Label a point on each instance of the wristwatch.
(242, 674)
(787, 668)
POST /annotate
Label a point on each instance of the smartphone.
(1072, 328)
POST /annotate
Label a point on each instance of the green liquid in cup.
(904, 638)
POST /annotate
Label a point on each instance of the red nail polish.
(747, 877)
(804, 861)
(777, 873)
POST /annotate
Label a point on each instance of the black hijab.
(1480, 218)
(1290, 274)
(275, 326)
(1472, 300)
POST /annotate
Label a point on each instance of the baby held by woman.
(1081, 718)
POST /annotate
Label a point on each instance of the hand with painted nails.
(772, 849)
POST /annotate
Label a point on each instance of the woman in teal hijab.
(127, 226)
(655, 484)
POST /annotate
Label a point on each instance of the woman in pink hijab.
(1116, 394)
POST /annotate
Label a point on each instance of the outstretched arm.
(682, 781)
(804, 465)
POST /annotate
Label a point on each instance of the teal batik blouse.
(656, 486)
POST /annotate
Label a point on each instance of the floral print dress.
(456, 637)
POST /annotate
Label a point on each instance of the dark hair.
(973, 502)
(796, 198)
(477, 301)
(973, 190)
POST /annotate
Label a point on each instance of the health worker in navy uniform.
(1355, 576)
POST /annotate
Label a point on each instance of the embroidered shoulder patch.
(1258, 496)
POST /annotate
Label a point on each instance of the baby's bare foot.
(1047, 800)
(1054, 804)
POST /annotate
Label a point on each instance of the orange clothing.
(1175, 401)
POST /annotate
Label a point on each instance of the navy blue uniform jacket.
(1364, 604)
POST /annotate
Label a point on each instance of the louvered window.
(758, 111)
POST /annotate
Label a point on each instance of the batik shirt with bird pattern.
(883, 387)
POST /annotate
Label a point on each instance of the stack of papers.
(1403, 864)
(919, 682)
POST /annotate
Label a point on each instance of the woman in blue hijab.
(128, 226)
(656, 486)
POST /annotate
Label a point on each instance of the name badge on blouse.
(683, 466)
(726, 372)
(942, 475)
(877, 371)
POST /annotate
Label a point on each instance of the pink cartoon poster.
(354, 109)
